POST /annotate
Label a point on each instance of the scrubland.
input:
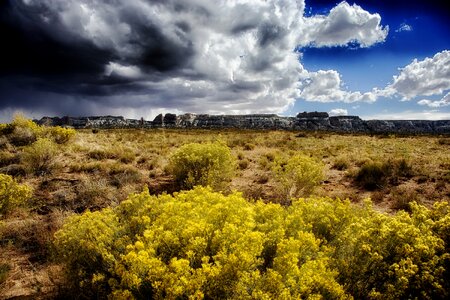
(161, 213)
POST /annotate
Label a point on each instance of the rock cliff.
(311, 121)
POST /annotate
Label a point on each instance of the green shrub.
(249, 146)
(120, 153)
(7, 158)
(4, 270)
(100, 154)
(202, 164)
(372, 176)
(377, 175)
(402, 197)
(12, 194)
(243, 164)
(40, 157)
(124, 174)
(298, 175)
(341, 163)
(401, 168)
(6, 128)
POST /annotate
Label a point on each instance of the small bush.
(341, 164)
(402, 168)
(7, 158)
(372, 176)
(240, 155)
(120, 153)
(24, 131)
(40, 157)
(375, 175)
(444, 141)
(4, 270)
(99, 154)
(402, 197)
(12, 194)
(124, 174)
(22, 136)
(262, 179)
(243, 164)
(126, 156)
(92, 193)
(6, 128)
(60, 135)
(249, 146)
(202, 164)
(298, 175)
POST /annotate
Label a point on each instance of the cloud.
(338, 112)
(404, 27)
(445, 101)
(343, 25)
(227, 56)
(409, 115)
(326, 86)
(427, 77)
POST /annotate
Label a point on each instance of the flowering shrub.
(23, 131)
(60, 135)
(202, 164)
(393, 257)
(12, 194)
(40, 157)
(298, 175)
(200, 244)
(196, 244)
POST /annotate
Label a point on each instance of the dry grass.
(97, 170)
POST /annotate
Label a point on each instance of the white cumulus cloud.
(404, 27)
(338, 112)
(326, 86)
(428, 77)
(445, 101)
(344, 24)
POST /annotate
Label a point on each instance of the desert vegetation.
(160, 213)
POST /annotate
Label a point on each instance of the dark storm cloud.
(28, 50)
(139, 56)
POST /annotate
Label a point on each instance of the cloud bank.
(427, 77)
(445, 101)
(138, 57)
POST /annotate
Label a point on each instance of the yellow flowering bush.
(202, 244)
(202, 164)
(393, 257)
(12, 194)
(59, 134)
(298, 175)
(196, 244)
(23, 131)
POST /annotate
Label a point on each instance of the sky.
(138, 58)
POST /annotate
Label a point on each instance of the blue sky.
(417, 29)
(139, 58)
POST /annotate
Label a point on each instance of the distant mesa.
(312, 115)
(309, 121)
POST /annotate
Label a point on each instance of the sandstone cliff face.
(313, 121)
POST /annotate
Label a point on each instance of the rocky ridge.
(309, 121)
